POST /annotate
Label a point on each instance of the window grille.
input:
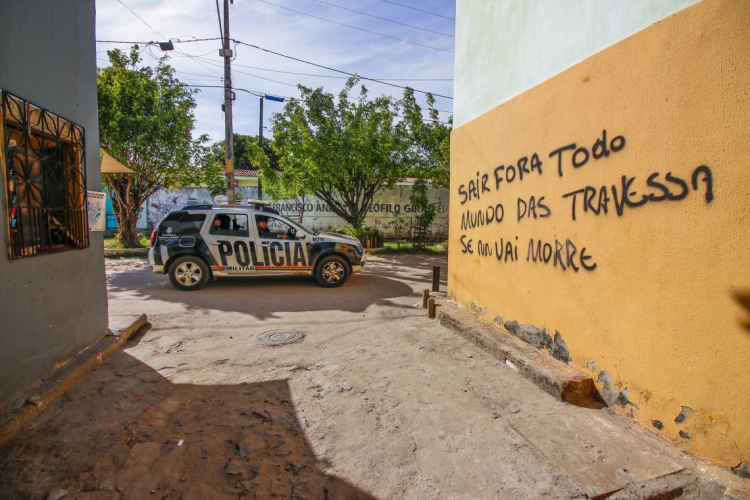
(43, 163)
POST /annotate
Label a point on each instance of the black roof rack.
(259, 208)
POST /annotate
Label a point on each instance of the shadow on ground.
(126, 432)
(261, 297)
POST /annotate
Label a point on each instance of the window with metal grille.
(44, 169)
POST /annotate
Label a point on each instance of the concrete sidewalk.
(377, 401)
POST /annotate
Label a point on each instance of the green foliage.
(208, 168)
(429, 154)
(358, 232)
(430, 141)
(145, 122)
(247, 152)
(396, 249)
(399, 224)
(418, 198)
(343, 152)
(212, 161)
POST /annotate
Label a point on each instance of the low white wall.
(317, 213)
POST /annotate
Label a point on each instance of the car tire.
(189, 273)
(332, 271)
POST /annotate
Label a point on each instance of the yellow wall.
(662, 311)
(246, 181)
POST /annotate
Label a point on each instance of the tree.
(344, 152)
(210, 162)
(429, 154)
(399, 225)
(207, 167)
(145, 121)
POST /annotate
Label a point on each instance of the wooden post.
(431, 308)
(435, 278)
(425, 296)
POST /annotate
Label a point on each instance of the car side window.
(181, 224)
(274, 228)
(230, 225)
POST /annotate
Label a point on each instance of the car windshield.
(299, 225)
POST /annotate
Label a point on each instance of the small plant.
(399, 225)
(368, 236)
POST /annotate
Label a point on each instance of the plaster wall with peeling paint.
(603, 195)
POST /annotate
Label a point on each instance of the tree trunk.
(128, 236)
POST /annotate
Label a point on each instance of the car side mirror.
(301, 236)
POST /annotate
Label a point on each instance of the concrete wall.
(51, 306)
(638, 253)
(318, 214)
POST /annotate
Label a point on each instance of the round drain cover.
(280, 337)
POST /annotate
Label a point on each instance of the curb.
(30, 404)
(549, 374)
(374, 250)
(125, 252)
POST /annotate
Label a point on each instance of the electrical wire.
(261, 94)
(239, 42)
(221, 30)
(354, 27)
(338, 70)
(345, 77)
(384, 19)
(420, 10)
(173, 40)
(139, 17)
(278, 70)
(243, 72)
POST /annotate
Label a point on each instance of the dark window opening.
(181, 224)
(230, 225)
(45, 179)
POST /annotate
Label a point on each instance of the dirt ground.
(377, 401)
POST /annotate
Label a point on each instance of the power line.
(354, 27)
(338, 70)
(139, 17)
(239, 42)
(277, 70)
(260, 94)
(221, 31)
(420, 10)
(384, 19)
(244, 73)
(173, 40)
(345, 77)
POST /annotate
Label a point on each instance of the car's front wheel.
(188, 273)
(332, 271)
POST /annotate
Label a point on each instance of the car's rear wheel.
(188, 273)
(332, 271)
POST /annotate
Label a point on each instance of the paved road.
(377, 401)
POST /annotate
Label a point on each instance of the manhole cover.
(280, 337)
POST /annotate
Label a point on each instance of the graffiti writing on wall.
(624, 193)
(285, 207)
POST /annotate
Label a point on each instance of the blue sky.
(265, 24)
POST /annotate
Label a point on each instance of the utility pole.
(226, 53)
(260, 143)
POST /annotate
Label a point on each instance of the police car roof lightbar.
(258, 202)
(221, 200)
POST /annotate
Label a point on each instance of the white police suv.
(200, 241)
